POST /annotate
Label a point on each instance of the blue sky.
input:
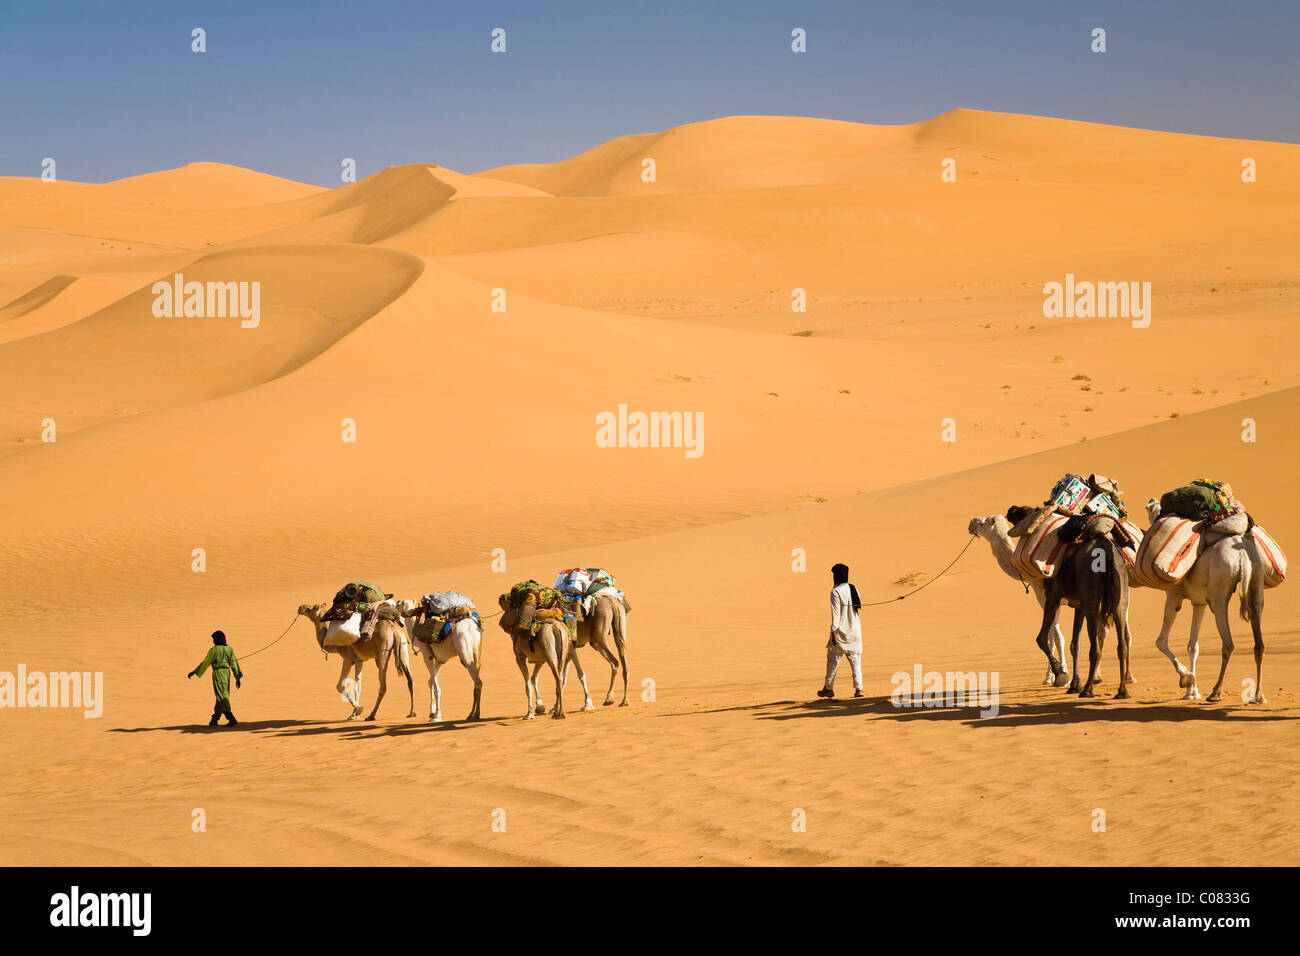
(112, 89)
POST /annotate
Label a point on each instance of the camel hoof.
(1123, 694)
(607, 702)
(1258, 699)
(371, 717)
(1186, 680)
(1192, 694)
(1130, 681)
(530, 716)
(1087, 692)
(625, 704)
(589, 706)
(1049, 680)
(354, 716)
(541, 709)
(1061, 679)
(1073, 688)
(411, 714)
(1214, 698)
(557, 716)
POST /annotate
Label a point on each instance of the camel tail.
(1243, 590)
(478, 649)
(403, 655)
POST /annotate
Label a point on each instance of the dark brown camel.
(1093, 580)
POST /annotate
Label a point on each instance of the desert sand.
(475, 432)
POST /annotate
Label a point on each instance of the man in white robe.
(846, 632)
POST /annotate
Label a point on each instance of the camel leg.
(1220, 610)
(610, 659)
(345, 691)
(587, 705)
(1057, 640)
(466, 651)
(356, 689)
(1128, 635)
(537, 690)
(1122, 640)
(1049, 621)
(1193, 652)
(620, 642)
(381, 662)
(556, 655)
(435, 690)
(528, 687)
(1096, 637)
(1173, 601)
(1256, 598)
(1074, 652)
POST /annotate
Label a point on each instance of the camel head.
(313, 612)
(407, 608)
(1018, 513)
(1153, 510)
(508, 618)
(988, 527)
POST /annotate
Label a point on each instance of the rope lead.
(927, 583)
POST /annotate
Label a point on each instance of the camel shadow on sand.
(1061, 710)
(345, 729)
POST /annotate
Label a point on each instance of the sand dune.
(475, 435)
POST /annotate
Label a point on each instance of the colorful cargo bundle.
(583, 582)
(529, 605)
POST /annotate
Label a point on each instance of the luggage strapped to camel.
(365, 599)
(534, 604)
(439, 612)
(1075, 509)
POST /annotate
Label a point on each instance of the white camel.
(1226, 563)
(464, 642)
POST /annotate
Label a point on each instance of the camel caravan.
(546, 626)
(1079, 548)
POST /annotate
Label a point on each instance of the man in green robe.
(223, 662)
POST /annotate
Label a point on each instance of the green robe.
(222, 660)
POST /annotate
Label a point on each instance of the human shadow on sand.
(1062, 710)
(222, 728)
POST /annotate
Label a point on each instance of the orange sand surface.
(476, 432)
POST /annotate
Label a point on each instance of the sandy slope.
(475, 433)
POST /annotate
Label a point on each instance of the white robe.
(846, 629)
